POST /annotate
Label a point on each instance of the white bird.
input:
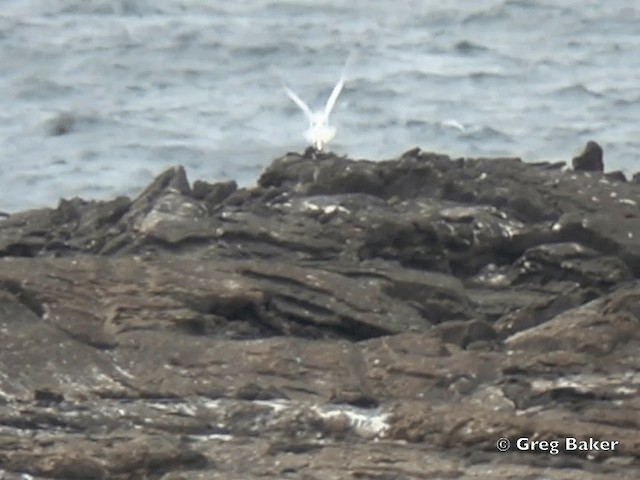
(320, 133)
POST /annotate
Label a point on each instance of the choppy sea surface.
(97, 97)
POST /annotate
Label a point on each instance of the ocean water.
(99, 96)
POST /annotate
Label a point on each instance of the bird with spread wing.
(320, 132)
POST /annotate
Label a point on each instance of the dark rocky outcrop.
(590, 160)
(341, 319)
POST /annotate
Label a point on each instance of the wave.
(486, 133)
(468, 47)
(577, 90)
(37, 88)
(510, 9)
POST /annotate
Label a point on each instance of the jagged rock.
(342, 319)
(213, 194)
(590, 160)
(616, 175)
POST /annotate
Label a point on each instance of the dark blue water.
(100, 96)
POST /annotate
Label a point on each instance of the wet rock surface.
(341, 319)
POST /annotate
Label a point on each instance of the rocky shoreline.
(341, 319)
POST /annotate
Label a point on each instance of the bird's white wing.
(292, 95)
(303, 106)
(333, 97)
(335, 93)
